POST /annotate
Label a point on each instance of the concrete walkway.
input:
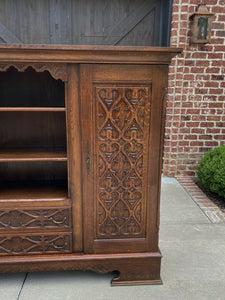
(193, 266)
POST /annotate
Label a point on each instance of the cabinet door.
(122, 122)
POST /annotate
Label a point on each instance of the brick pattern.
(195, 116)
(211, 210)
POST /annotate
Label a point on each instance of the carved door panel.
(121, 127)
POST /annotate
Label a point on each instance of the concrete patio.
(193, 266)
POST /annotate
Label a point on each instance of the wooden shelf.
(57, 109)
(15, 155)
(36, 191)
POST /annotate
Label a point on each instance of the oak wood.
(31, 88)
(28, 243)
(32, 109)
(87, 54)
(134, 268)
(7, 155)
(93, 162)
(34, 219)
(51, 199)
(75, 155)
(32, 129)
(28, 192)
(103, 77)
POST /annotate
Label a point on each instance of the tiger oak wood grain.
(80, 172)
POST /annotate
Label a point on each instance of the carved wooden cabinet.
(81, 137)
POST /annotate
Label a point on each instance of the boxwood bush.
(211, 170)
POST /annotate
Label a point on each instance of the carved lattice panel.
(36, 218)
(122, 138)
(35, 244)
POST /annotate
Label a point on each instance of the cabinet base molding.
(133, 268)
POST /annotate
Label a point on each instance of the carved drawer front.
(40, 243)
(23, 219)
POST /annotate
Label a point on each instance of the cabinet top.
(87, 54)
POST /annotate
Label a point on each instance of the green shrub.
(211, 170)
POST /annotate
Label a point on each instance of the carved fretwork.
(57, 70)
(35, 244)
(122, 139)
(35, 218)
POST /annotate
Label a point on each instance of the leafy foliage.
(211, 170)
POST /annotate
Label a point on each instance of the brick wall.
(195, 118)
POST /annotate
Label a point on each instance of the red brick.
(206, 48)
(211, 2)
(210, 98)
(196, 143)
(175, 18)
(206, 124)
(220, 33)
(213, 118)
(212, 70)
(197, 70)
(212, 84)
(217, 41)
(189, 62)
(216, 104)
(220, 48)
(211, 143)
(175, 8)
(201, 91)
(217, 77)
(205, 137)
(218, 9)
(199, 55)
(219, 111)
(188, 77)
(192, 124)
(184, 143)
(196, 119)
(220, 124)
(197, 130)
(212, 130)
(202, 77)
(217, 25)
(193, 111)
(215, 55)
(184, 130)
(219, 137)
(218, 63)
(200, 63)
(190, 137)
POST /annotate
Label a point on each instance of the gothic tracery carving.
(123, 117)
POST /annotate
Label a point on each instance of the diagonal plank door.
(86, 22)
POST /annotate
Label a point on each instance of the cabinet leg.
(138, 272)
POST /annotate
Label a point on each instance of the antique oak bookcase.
(81, 138)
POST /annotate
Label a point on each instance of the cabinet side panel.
(74, 155)
(159, 83)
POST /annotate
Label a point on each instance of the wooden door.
(122, 114)
(86, 22)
